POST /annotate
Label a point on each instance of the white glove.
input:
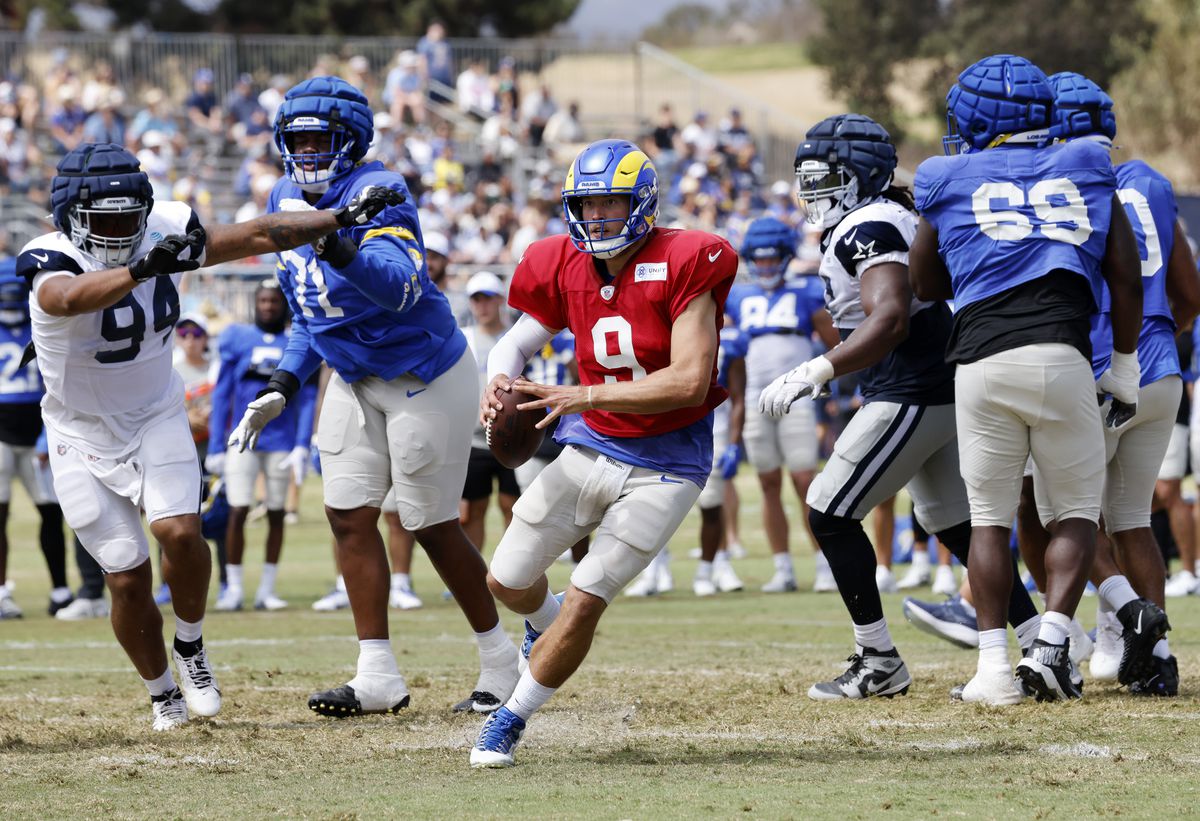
(214, 463)
(297, 460)
(1122, 378)
(258, 413)
(295, 204)
(806, 380)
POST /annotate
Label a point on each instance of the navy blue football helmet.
(101, 198)
(768, 248)
(610, 167)
(1081, 108)
(14, 298)
(327, 105)
(1000, 98)
(844, 161)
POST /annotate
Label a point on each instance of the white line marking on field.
(1081, 750)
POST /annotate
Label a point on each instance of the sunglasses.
(190, 330)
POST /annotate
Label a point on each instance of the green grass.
(685, 708)
(732, 58)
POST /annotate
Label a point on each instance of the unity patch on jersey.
(650, 272)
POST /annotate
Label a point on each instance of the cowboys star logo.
(864, 251)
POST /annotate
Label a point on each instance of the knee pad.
(823, 524)
(957, 539)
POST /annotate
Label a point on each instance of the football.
(512, 435)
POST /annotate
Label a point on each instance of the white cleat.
(944, 583)
(646, 584)
(1082, 646)
(198, 683)
(230, 600)
(1106, 657)
(884, 580)
(663, 578)
(725, 579)
(704, 587)
(334, 600)
(8, 607)
(402, 599)
(82, 609)
(995, 688)
(915, 577)
(780, 583)
(824, 582)
(736, 550)
(271, 602)
(1183, 583)
(170, 710)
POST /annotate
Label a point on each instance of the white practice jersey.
(878, 232)
(108, 373)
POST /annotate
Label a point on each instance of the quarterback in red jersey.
(645, 305)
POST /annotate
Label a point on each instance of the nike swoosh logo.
(411, 394)
(1138, 630)
(713, 257)
(670, 481)
(850, 237)
(41, 258)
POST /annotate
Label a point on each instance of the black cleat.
(55, 606)
(1143, 623)
(1045, 673)
(1163, 681)
(342, 702)
(480, 701)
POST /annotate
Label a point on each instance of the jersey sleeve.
(870, 243)
(33, 262)
(814, 295)
(712, 267)
(534, 288)
(733, 304)
(223, 389)
(389, 268)
(926, 185)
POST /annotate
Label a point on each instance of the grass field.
(685, 708)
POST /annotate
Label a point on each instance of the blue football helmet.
(1081, 108)
(844, 162)
(14, 299)
(768, 248)
(101, 198)
(610, 167)
(327, 105)
(1002, 98)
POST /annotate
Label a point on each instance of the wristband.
(338, 251)
(281, 382)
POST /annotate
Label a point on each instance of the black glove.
(164, 257)
(366, 204)
(335, 250)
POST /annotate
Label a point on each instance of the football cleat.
(55, 606)
(162, 596)
(780, 583)
(230, 600)
(495, 683)
(531, 636)
(1183, 583)
(994, 688)
(704, 587)
(1143, 623)
(646, 584)
(944, 583)
(1163, 681)
(871, 673)
(480, 701)
(170, 710)
(1082, 645)
(498, 738)
(915, 577)
(402, 599)
(271, 602)
(724, 578)
(346, 701)
(198, 683)
(885, 580)
(949, 620)
(1046, 672)
(1105, 662)
(81, 609)
(8, 607)
(333, 600)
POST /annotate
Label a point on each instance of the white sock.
(266, 584)
(704, 570)
(874, 635)
(401, 581)
(1162, 650)
(60, 594)
(188, 630)
(376, 656)
(495, 647)
(783, 563)
(163, 684)
(721, 557)
(967, 606)
(993, 648)
(233, 573)
(529, 696)
(1117, 591)
(1056, 627)
(541, 619)
(663, 560)
(340, 584)
(920, 560)
(1027, 631)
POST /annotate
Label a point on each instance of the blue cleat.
(498, 738)
(949, 620)
(531, 636)
(163, 595)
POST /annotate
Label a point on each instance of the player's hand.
(1121, 381)
(214, 463)
(489, 403)
(557, 400)
(314, 458)
(297, 461)
(258, 413)
(728, 462)
(808, 379)
(170, 255)
(366, 204)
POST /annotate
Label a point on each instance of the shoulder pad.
(864, 240)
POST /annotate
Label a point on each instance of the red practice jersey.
(623, 328)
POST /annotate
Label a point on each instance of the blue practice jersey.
(1007, 216)
(17, 385)
(787, 310)
(1150, 205)
(552, 364)
(249, 356)
(381, 315)
(734, 345)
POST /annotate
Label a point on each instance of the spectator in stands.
(18, 155)
(437, 259)
(782, 204)
(272, 96)
(154, 117)
(190, 188)
(66, 124)
(260, 192)
(203, 111)
(564, 131)
(241, 102)
(437, 61)
(358, 73)
(666, 134)
(746, 174)
(732, 136)
(404, 90)
(474, 90)
(156, 158)
(532, 227)
(99, 86)
(536, 111)
(447, 171)
(504, 84)
(258, 131)
(700, 136)
(105, 124)
(500, 135)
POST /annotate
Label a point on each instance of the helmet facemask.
(634, 225)
(314, 171)
(767, 267)
(109, 229)
(827, 192)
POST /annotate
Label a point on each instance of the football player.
(904, 433)
(104, 303)
(249, 355)
(1021, 235)
(1134, 451)
(645, 306)
(399, 407)
(780, 319)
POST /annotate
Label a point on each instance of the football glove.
(1121, 381)
(297, 460)
(806, 380)
(214, 463)
(728, 462)
(258, 413)
(366, 204)
(170, 255)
